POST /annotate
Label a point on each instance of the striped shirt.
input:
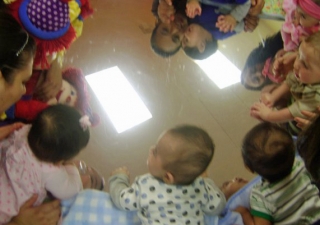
(292, 200)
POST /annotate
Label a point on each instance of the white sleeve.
(63, 181)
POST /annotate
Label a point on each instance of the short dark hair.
(194, 159)
(266, 49)
(268, 150)
(12, 39)
(56, 134)
(211, 47)
(308, 146)
(158, 50)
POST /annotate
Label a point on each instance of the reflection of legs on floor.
(91, 178)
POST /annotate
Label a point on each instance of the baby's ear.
(202, 46)
(168, 178)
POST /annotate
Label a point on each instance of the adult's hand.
(51, 84)
(256, 7)
(166, 11)
(45, 214)
(250, 23)
(5, 131)
(310, 116)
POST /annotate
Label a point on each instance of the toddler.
(303, 83)
(225, 23)
(302, 19)
(256, 73)
(286, 194)
(172, 191)
(34, 159)
(201, 36)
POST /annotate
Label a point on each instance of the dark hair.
(194, 157)
(158, 50)
(266, 49)
(56, 134)
(308, 146)
(268, 150)
(12, 40)
(211, 47)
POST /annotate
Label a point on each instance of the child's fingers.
(221, 18)
(199, 11)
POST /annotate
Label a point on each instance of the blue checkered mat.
(91, 207)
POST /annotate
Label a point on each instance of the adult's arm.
(45, 214)
(5, 131)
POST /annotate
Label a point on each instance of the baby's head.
(166, 37)
(268, 150)
(198, 43)
(57, 135)
(251, 76)
(306, 65)
(232, 186)
(308, 13)
(181, 155)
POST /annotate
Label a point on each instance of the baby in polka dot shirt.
(33, 160)
(173, 192)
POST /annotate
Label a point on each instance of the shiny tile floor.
(175, 90)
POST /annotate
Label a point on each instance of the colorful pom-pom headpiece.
(54, 24)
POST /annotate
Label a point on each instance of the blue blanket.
(91, 207)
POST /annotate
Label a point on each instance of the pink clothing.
(290, 32)
(22, 175)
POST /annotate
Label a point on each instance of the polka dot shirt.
(160, 203)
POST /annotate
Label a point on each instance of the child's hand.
(166, 11)
(193, 8)
(283, 63)
(250, 23)
(226, 23)
(260, 111)
(266, 98)
(120, 170)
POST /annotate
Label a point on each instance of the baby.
(286, 194)
(303, 85)
(34, 159)
(225, 23)
(201, 36)
(173, 191)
